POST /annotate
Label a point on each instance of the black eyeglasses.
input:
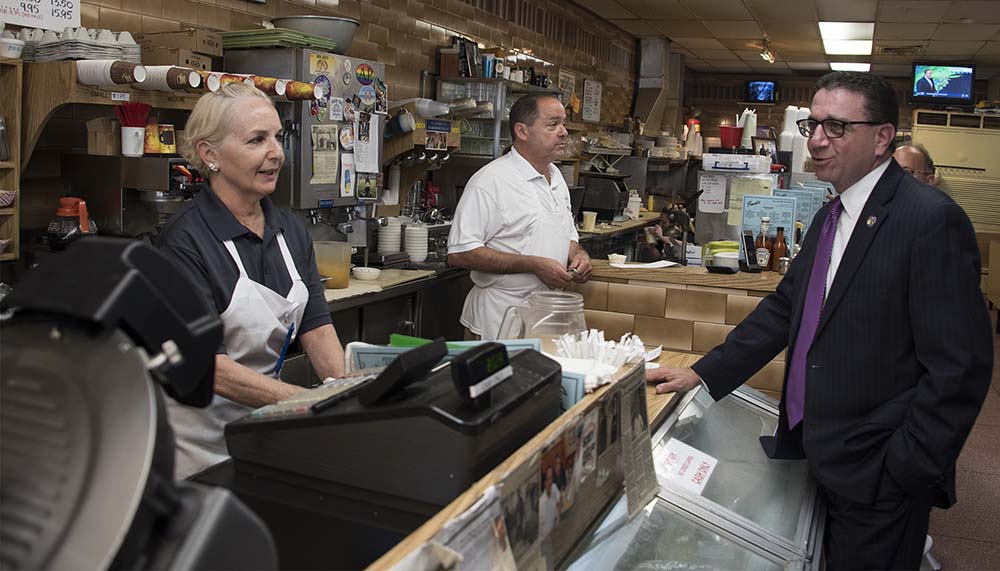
(832, 127)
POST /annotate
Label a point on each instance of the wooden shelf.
(515, 87)
(11, 109)
(6, 164)
(51, 85)
(6, 211)
(7, 256)
(9, 61)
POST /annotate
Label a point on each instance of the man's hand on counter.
(551, 272)
(672, 379)
(580, 267)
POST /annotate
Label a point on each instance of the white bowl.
(11, 48)
(366, 274)
(726, 259)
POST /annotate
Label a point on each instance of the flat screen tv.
(761, 91)
(943, 84)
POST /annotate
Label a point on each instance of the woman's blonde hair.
(210, 118)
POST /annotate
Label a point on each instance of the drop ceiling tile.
(695, 44)
(607, 9)
(809, 66)
(987, 71)
(777, 29)
(744, 44)
(719, 9)
(958, 49)
(750, 56)
(980, 12)
(911, 11)
(735, 30)
(658, 9)
(965, 32)
(699, 65)
(891, 70)
(891, 59)
(764, 67)
(811, 46)
(681, 29)
(638, 28)
(846, 10)
(797, 10)
(713, 55)
(726, 66)
(989, 49)
(891, 31)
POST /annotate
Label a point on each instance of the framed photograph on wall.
(766, 146)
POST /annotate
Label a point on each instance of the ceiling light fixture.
(848, 47)
(849, 66)
(847, 38)
(765, 53)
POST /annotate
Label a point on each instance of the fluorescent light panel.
(847, 30)
(847, 66)
(848, 47)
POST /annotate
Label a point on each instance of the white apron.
(492, 294)
(254, 328)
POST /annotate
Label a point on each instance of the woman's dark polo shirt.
(193, 238)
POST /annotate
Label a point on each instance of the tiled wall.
(681, 318)
(405, 34)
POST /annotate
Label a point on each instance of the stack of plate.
(390, 237)
(416, 242)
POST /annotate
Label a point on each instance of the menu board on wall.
(592, 100)
(567, 83)
(45, 14)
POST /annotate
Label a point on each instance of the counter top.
(764, 281)
(388, 278)
(613, 228)
(659, 406)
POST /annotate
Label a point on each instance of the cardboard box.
(104, 137)
(176, 56)
(198, 41)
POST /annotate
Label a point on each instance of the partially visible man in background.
(917, 161)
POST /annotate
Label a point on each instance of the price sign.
(44, 14)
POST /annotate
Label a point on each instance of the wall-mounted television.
(943, 84)
(761, 91)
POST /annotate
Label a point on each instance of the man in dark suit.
(889, 345)
(926, 83)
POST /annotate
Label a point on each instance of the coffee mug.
(132, 141)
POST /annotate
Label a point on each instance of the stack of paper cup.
(416, 242)
(169, 78)
(390, 237)
(108, 72)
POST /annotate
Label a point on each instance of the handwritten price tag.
(686, 466)
(44, 14)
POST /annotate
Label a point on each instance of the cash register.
(384, 452)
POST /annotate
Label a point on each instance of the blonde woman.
(252, 261)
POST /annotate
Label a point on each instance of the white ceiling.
(726, 35)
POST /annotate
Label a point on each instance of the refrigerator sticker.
(366, 127)
(346, 78)
(367, 94)
(349, 111)
(367, 185)
(365, 74)
(324, 155)
(348, 66)
(347, 137)
(321, 105)
(688, 467)
(336, 109)
(436, 135)
(381, 97)
(347, 175)
(321, 63)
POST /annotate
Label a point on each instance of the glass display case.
(750, 512)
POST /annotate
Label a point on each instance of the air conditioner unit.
(965, 147)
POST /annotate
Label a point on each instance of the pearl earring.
(213, 167)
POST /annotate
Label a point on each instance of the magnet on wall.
(347, 137)
(367, 94)
(365, 74)
(348, 66)
(347, 78)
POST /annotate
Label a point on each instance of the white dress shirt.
(853, 199)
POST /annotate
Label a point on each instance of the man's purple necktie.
(795, 390)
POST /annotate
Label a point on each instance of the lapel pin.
(871, 221)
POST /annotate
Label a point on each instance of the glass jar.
(545, 315)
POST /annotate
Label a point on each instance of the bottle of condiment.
(780, 248)
(763, 244)
(798, 242)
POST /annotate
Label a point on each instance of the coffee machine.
(153, 188)
(605, 194)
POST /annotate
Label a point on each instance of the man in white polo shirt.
(513, 226)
